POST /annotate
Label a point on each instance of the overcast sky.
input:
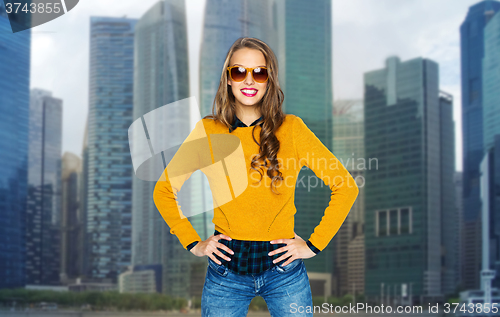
(365, 32)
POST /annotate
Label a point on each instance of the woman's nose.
(249, 78)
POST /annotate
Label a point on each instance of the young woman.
(254, 250)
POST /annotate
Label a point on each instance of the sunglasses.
(239, 73)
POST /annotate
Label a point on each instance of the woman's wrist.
(312, 247)
(192, 245)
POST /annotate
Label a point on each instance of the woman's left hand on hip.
(295, 249)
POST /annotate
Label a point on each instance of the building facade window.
(394, 221)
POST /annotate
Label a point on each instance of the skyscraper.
(304, 49)
(161, 77)
(403, 188)
(14, 127)
(491, 134)
(491, 82)
(224, 22)
(450, 230)
(43, 221)
(110, 170)
(71, 219)
(490, 215)
(460, 211)
(83, 198)
(472, 53)
(348, 147)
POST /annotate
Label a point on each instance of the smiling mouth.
(249, 92)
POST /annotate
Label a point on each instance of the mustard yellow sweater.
(244, 208)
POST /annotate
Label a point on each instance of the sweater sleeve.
(311, 152)
(183, 164)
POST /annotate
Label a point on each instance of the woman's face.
(248, 92)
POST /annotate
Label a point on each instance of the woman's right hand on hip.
(209, 248)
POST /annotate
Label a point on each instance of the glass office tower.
(403, 180)
(491, 82)
(224, 23)
(84, 244)
(304, 40)
(472, 53)
(109, 217)
(43, 221)
(349, 148)
(71, 219)
(161, 77)
(14, 127)
(490, 218)
(450, 230)
(491, 132)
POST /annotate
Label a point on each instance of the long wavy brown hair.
(269, 106)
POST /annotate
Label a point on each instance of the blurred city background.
(405, 93)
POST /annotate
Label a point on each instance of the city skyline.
(408, 229)
(355, 24)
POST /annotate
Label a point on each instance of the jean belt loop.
(221, 269)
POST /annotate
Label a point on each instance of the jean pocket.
(217, 268)
(289, 267)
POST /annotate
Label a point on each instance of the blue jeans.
(285, 289)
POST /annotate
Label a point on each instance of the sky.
(365, 33)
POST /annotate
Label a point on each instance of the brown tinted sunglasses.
(239, 73)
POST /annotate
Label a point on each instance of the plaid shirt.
(250, 257)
